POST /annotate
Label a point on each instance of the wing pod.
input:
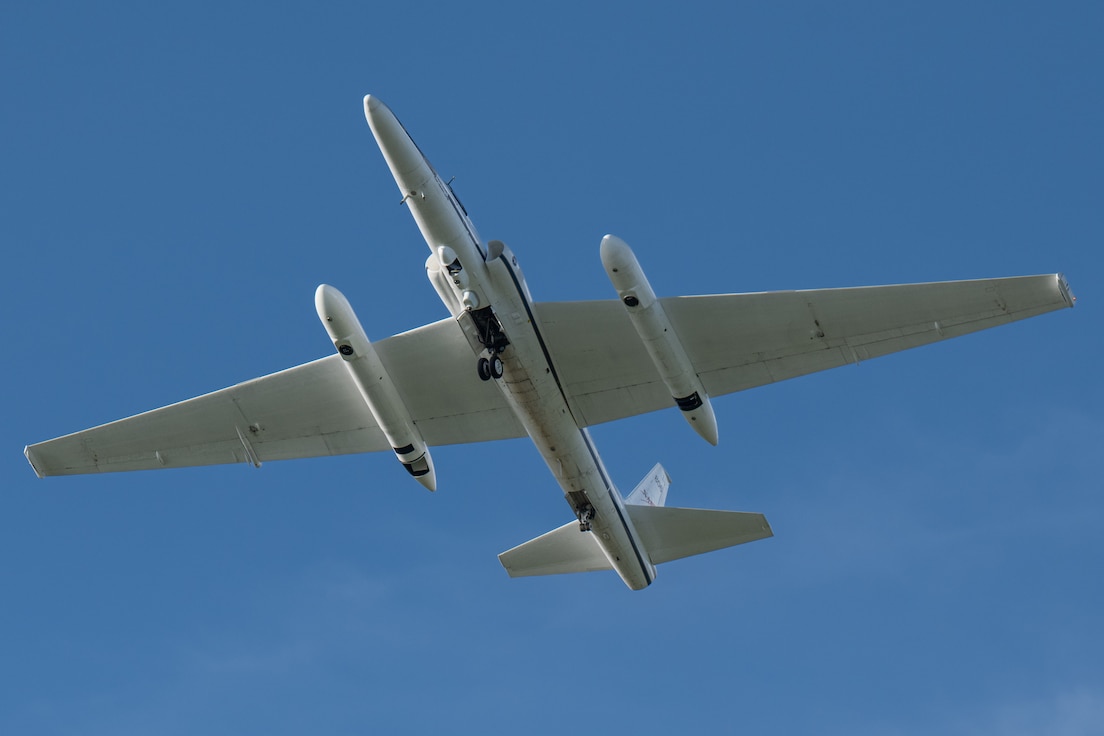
(658, 336)
(375, 384)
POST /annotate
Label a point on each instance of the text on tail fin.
(652, 490)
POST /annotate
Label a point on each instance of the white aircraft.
(503, 365)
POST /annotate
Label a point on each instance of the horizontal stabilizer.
(559, 551)
(673, 533)
(666, 533)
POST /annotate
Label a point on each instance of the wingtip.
(1064, 287)
(28, 453)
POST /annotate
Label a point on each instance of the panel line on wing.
(250, 453)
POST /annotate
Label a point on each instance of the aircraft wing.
(739, 341)
(311, 410)
(735, 342)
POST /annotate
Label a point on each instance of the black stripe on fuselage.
(459, 210)
(610, 489)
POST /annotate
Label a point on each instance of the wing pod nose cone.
(625, 273)
(615, 252)
(330, 303)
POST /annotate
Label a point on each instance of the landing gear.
(489, 368)
(585, 514)
(484, 333)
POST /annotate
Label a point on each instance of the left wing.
(311, 410)
(739, 341)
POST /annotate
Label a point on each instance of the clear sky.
(178, 178)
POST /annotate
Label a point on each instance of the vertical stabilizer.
(652, 491)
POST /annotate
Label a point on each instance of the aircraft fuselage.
(485, 290)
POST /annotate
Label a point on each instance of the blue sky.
(177, 179)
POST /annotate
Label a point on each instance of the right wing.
(307, 411)
(739, 341)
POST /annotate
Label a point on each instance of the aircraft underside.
(502, 365)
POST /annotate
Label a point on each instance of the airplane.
(503, 365)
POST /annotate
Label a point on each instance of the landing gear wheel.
(483, 368)
(585, 515)
(495, 366)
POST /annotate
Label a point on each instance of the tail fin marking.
(652, 490)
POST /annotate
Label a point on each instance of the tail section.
(665, 534)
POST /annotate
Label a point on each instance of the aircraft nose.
(403, 157)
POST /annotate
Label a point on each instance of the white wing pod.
(658, 336)
(375, 384)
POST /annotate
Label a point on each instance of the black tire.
(483, 368)
(496, 367)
